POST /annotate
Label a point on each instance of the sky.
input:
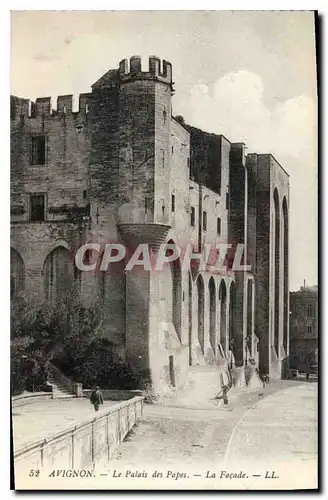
(250, 75)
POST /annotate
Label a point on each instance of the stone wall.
(34, 397)
(114, 395)
(89, 444)
(272, 301)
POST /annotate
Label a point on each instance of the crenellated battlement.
(42, 107)
(161, 70)
(129, 69)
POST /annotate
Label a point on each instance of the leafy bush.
(69, 335)
(26, 372)
(97, 364)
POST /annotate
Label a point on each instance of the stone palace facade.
(124, 169)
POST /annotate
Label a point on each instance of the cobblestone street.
(265, 434)
(266, 430)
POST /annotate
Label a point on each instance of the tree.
(49, 330)
(69, 335)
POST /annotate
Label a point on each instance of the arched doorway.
(276, 270)
(212, 292)
(17, 273)
(286, 285)
(200, 293)
(223, 309)
(59, 275)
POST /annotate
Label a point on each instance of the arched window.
(17, 273)
(59, 275)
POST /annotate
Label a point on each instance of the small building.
(303, 344)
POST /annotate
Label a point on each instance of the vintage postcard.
(164, 297)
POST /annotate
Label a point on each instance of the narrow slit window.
(227, 201)
(204, 221)
(172, 371)
(192, 217)
(173, 202)
(218, 229)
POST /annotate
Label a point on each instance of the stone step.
(62, 391)
(63, 396)
(59, 388)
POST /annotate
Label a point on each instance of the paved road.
(43, 419)
(261, 431)
(271, 431)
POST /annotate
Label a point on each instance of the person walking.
(96, 398)
(225, 382)
(223, 394)
(265, 380)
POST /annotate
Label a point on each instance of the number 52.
(34, 472)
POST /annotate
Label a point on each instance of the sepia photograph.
(164, 300)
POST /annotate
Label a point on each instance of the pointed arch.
(59, 274)
(174, 300)
(285, 273)
(212, 293)
(200, 294)
(250, 318)
(17, 272)
(232, 307)
(276, 269)
(223, 309)
(176, 293)
(190, 307)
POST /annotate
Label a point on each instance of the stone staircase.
(59, 390)
(61, 385)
